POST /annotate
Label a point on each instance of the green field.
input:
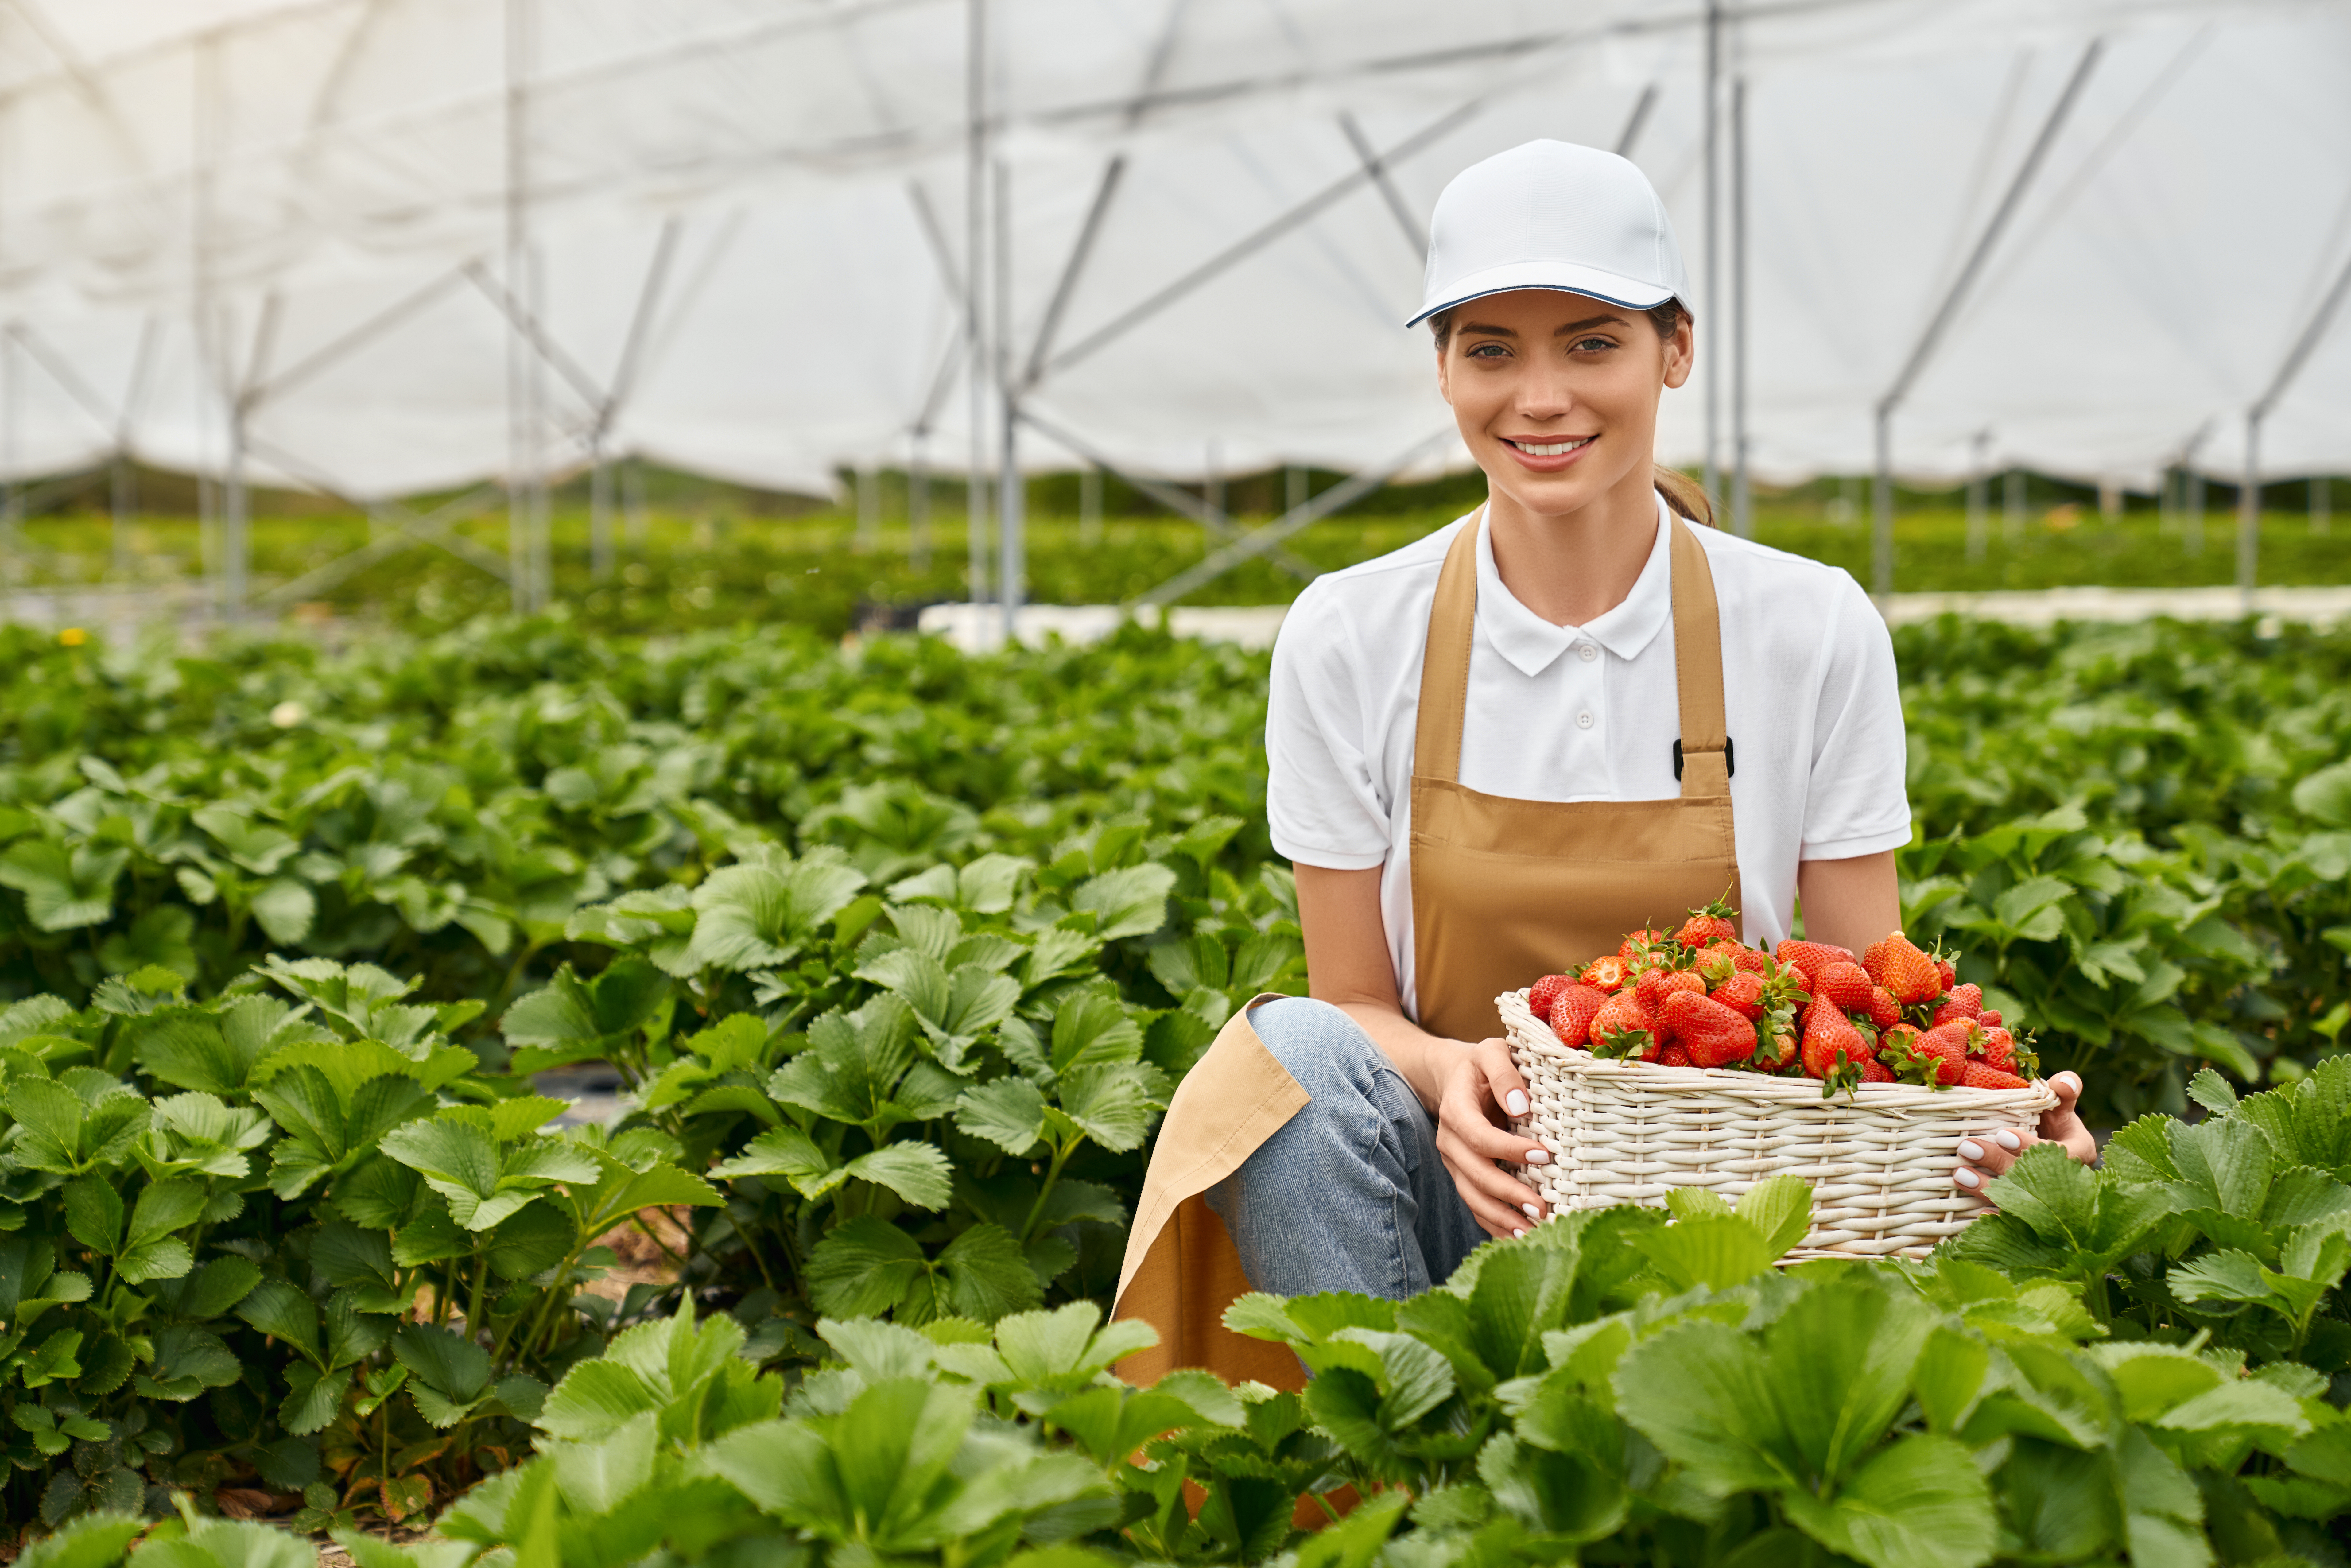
(702, 553)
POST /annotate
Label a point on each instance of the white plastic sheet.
(207, 204)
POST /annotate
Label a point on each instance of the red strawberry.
(1937, 1056)
(1713, 1034)
(1716, 921)
(1656, 985)
(1831, 1043)
(1571, 1015)
(1964, 1002)
(1845, 984)
(1742, 993)
(1891, 1043)
(1984, 1075)
(1607, 973)
(1623, 1026)
(1754, 960)
(1875, 1071)
(1884, 1010)
(1671, 1056)
(1638, 943)
(1905, 971)
(1989, 1018)
(1811, 957)
(1947, 973)
(1545, 992)
(1996, 1045)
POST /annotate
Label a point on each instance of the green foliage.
(349, 1261)
(898, 957)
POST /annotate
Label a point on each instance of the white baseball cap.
(1551, 214)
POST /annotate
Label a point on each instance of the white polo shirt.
(1589, 713)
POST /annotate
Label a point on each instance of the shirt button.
(1586, 652)
(1584, 720)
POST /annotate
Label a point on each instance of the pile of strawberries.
(1698, 997)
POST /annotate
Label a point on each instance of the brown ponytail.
(1683, 495)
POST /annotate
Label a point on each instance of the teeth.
(1554, 449)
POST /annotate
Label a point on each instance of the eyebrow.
(1559, 331)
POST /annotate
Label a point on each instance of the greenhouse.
(674, 680)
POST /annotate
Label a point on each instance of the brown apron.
(1502, 891)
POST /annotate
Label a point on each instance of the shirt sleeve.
(1322, 799)
(1857, 803)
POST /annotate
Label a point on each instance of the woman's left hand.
(1987, 1157)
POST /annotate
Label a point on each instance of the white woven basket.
(1880, 1164)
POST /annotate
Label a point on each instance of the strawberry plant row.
(898, 954)
(2139, 836)
(2148, 1362)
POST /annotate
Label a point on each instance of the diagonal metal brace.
(1261, 541)
(1168, 495)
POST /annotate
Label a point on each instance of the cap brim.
(1563, 276)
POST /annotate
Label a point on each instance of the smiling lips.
(1554, 453)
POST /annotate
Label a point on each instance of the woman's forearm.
(1347, 964)
(1420, 1056)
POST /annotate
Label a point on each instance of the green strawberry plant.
(290, 1233)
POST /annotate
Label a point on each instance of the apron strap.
(1697, 660)
(1445, 660)
(1697, 668)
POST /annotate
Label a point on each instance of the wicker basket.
(1880, 1164)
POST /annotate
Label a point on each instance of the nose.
(1546, 392)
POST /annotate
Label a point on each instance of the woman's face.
(1556, 394)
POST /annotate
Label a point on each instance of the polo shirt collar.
(1532, 644)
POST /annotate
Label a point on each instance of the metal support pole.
(976, 358)
(918, 502)
(2321, 498)
(234, 546)
(2249, 514)
(1979, 499)
(599, 515)
(119, 487)
(2192, 525)
(1742, 502)
(521, 417)
(1012, 501)
(12, 493)
(1881, 511)
(1712, 326)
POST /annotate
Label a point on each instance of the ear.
(1681, 352)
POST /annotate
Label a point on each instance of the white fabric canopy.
(306, 209)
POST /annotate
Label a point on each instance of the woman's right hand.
(1479, 1092)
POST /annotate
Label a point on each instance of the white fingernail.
(1538, 1156)
(1518, 1104)
(1517, 1235)
(1969, 1149)
(1532, 1212)
(2008, 1140)
(1967, 1178)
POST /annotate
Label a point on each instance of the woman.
(1567, 716)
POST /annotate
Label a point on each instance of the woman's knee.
(1327, 1052)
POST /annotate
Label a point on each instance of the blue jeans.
(1351, 1193)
